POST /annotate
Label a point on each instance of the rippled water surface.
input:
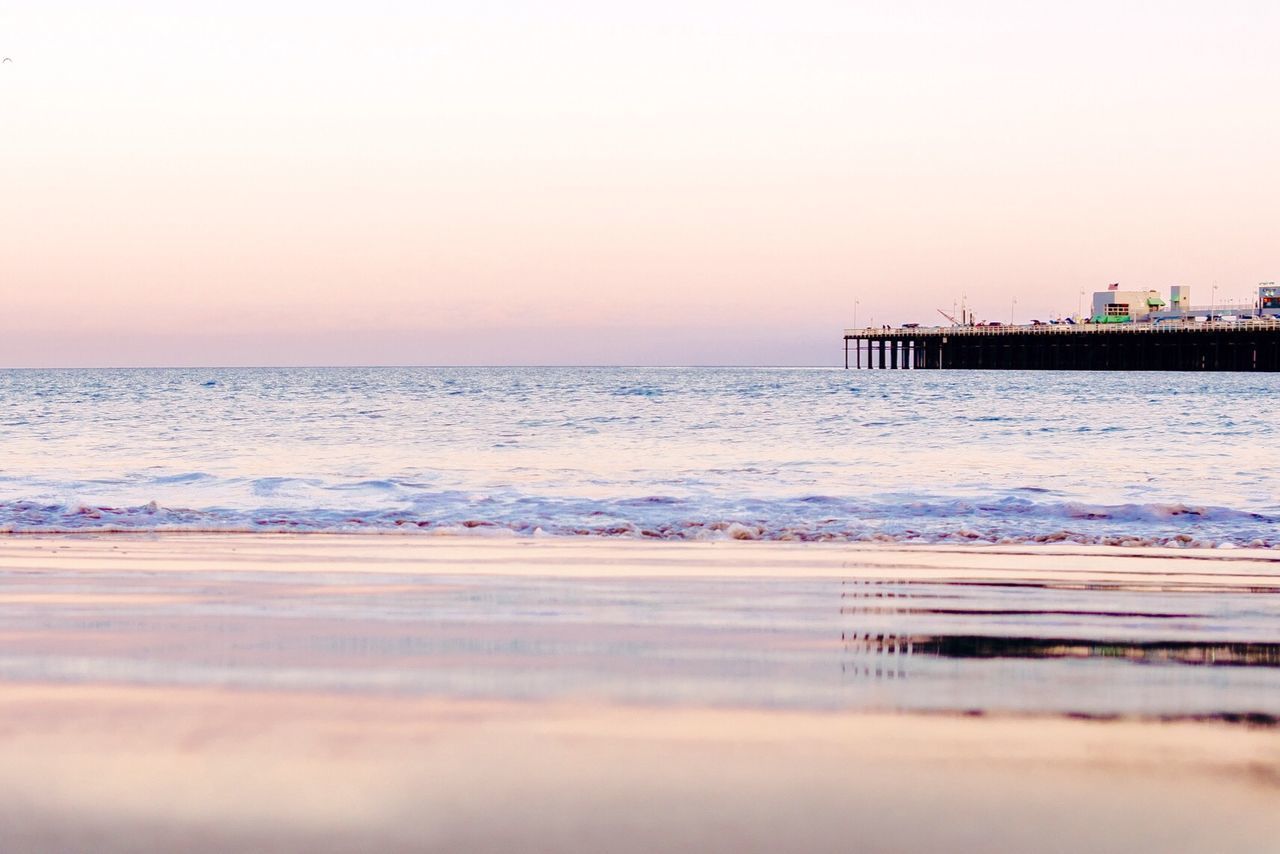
(668, 453)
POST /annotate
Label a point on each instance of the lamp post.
(855, 314)
(1012, 306)
(1213, 302)
(1079, 304)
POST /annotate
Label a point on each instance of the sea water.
(673, 453)
(586, 457)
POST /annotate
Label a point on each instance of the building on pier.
(1268, 299)
(1116, 306)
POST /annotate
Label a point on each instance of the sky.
(667, 183)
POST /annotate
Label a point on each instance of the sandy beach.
(123, 769)
(325, 693)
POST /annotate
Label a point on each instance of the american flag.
(1114, 286)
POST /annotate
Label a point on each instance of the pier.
(1252, 345)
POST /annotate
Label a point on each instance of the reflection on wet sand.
(961, 646)
(1005, 633)
(331, 694)
(1076, 630)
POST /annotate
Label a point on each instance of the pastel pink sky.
(584, 182)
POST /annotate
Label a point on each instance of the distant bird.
(6, 59)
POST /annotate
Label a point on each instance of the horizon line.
(401, 366)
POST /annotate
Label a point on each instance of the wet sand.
(383, 693)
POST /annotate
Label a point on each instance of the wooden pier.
(1179, 346)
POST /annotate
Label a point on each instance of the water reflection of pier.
(888, 656)
(896, 632)
(872, 656)
(1145, 652)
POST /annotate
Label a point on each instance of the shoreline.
(620, 554)
(723, 533)
(504, 536)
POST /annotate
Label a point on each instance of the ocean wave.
(1001, 520)
(639, 391)
(185, 477)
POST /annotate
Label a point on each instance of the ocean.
(1130, 459)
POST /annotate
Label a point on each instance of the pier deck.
(1170, 346)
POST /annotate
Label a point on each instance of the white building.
(1268, 299)
(1120, 306)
